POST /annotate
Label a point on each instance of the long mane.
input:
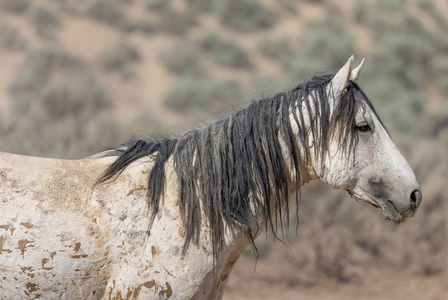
(234, 170)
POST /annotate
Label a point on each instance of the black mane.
(234, 168)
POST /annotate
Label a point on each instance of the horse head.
(373, 169)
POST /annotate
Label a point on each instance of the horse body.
(61, 239)
(64, 237)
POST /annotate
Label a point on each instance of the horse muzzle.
(399, 211)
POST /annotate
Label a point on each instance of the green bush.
(439, 67)
(15, 6)
(175, 21)
(209, 41)
(11, 39)
(360, 11)
(120, 58)
(225, 52)
(289, 6)
(46, 21)
(107, 11)
(200, 5)
(231, 55)
(182, 58)
(244, 15)
(145, 25)
(158, 4)
(201, 95)
(276, 48)
(57, 108)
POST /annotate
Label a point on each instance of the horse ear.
(340, 80)
(356, 73)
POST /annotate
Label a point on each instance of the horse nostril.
(416, 198)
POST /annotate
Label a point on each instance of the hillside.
(102, 35)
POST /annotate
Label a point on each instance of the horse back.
(53, 240)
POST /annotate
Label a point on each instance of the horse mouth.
(368, 200)
(389, 210)
(391, 213)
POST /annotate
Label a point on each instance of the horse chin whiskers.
(391, 213)
(394, 221)
(353, 196)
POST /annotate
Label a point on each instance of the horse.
(168, 218)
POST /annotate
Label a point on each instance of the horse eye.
(363, 128)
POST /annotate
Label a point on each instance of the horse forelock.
(233, 171)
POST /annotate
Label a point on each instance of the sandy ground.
(244, 283)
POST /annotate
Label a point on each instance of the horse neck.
(307, 173)
(236, 242)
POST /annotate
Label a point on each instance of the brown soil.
(268, 283)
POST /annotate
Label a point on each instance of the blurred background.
(78, 76)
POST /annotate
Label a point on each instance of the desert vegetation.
(56, 97)
(183, 61)
(120, 58)
(224, 52)
(199, 95)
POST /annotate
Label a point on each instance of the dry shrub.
(15, 6)
(225, 52)
(244, 15)
(158, 4)
(120, 58)
(202, 95)
(200, 5)
(175, 21)
(439, 67)
(107, 11)
(183, 58)
(145, 25)
(11, 39)
(276, 48)
(58, 108)
(46, 21)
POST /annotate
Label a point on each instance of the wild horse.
(168, 218)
